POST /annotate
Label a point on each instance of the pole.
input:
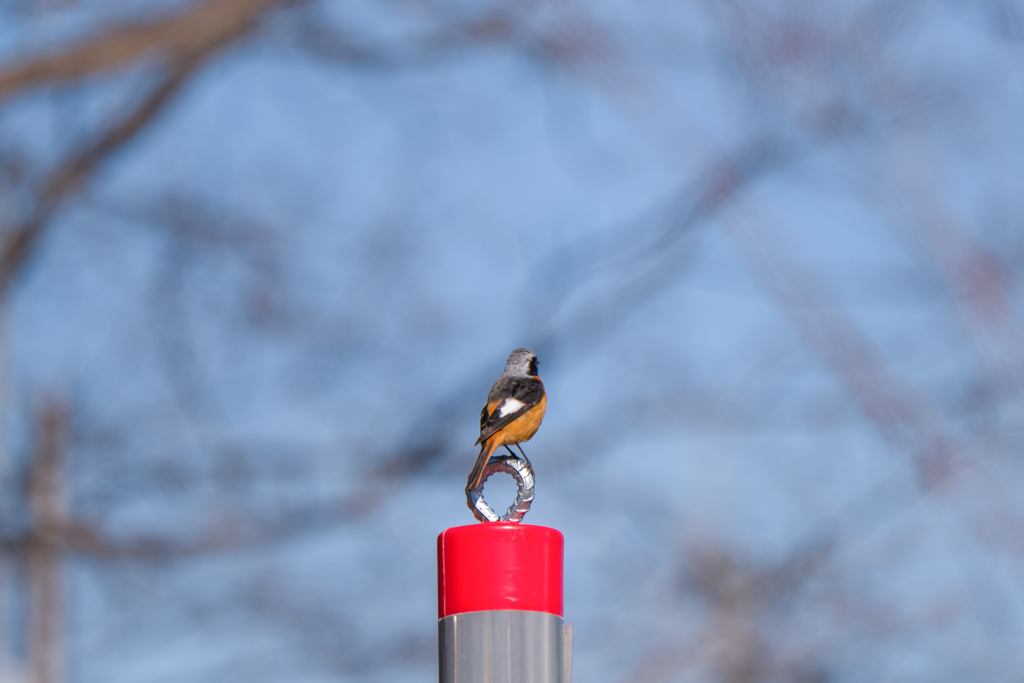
(499, 603)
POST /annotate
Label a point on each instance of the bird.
(513, 412)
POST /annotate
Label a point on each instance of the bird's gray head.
(521, 362)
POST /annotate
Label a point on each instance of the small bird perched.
(514, 410)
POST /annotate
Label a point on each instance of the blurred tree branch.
(20, 239)
(47, 500)
(182, 43)
(308, 32)
(178, 39)
(889, 402)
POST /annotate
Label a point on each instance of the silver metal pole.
(504, 646)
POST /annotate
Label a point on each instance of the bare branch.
(48, 506)
(72, 536)
(22, 238)
(307, 33)
(184, 42)
(889, 401)
(174, 39)
(228, 23)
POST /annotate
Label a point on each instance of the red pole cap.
(499, 566)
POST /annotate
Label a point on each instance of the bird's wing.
(510, 398)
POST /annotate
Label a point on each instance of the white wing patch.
(510, 405)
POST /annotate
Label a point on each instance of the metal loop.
(521, 471)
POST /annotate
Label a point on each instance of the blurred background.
(260, 262)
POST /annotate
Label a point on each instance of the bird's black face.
(533, 366)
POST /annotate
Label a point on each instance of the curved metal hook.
(522, 472)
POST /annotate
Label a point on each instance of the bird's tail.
(486, 451)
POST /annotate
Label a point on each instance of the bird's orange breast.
(525, 427)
